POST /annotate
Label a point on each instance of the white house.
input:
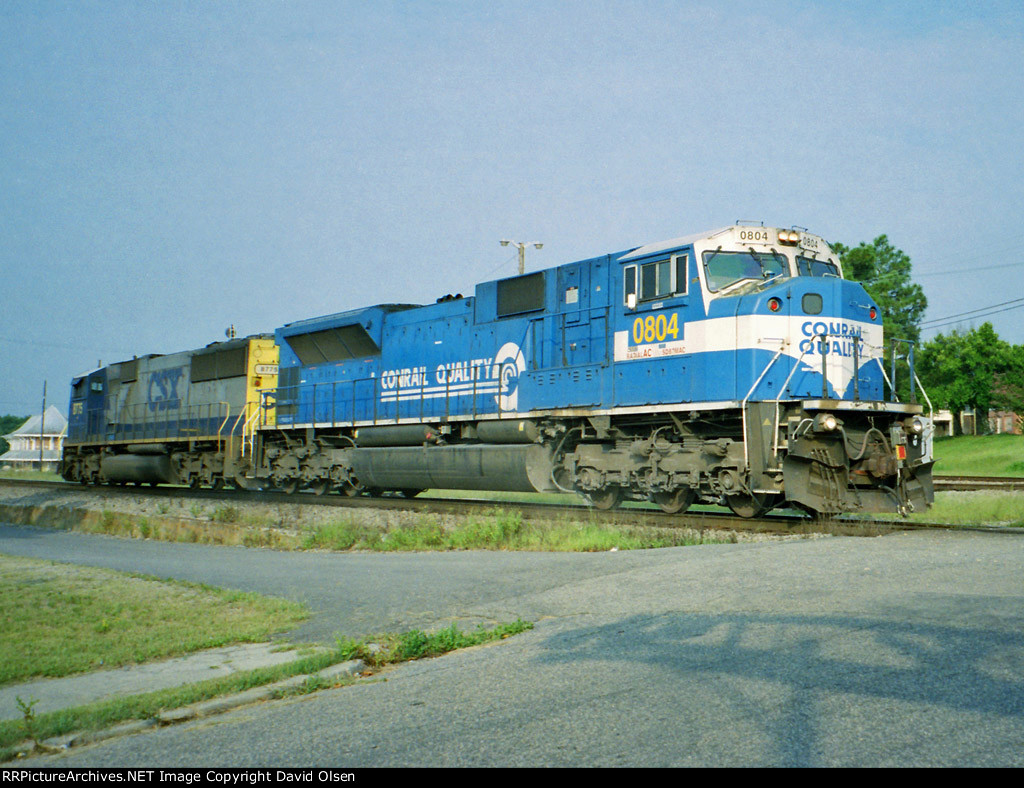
(27, 440)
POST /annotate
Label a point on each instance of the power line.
(989, 253)
(972, 311)
(968, 270)
(976, 317)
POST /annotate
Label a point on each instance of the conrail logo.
(497, 376)
(509, 364)
(831, 338)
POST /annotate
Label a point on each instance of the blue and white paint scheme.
(710, 320)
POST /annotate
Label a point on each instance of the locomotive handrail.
(313, 397)
(227, 415)
(234, 429)
(251, 431)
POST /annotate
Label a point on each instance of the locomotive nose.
(835, 329)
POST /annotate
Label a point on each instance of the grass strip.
(377, 652)
(503, 530)
(980, 455)
(61, 619)
(416, 644)
(975, 507)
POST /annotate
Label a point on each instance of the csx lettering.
(163, 389)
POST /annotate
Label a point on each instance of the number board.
(655, 335)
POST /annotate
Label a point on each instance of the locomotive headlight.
(825, 422)
(914, 426)
(789, 237)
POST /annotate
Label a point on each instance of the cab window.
(808, 266)
(727, 268)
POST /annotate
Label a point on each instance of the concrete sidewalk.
(54, 694)
(51, 695)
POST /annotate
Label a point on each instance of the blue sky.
(170, 169)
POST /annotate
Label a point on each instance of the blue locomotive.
(735, 366)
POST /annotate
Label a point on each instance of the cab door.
(654, 361)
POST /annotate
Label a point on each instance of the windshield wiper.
(765, 273)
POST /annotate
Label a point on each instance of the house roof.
(55, 424)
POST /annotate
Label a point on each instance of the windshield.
(725, 268)
(809, 267)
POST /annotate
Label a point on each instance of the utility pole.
(42, 427)
(521, 246)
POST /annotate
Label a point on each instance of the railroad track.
(630, 514)
(964, 483)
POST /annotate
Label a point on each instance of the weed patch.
(416, 644)
(503, 530)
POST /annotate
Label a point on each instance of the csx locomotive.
(735, 367)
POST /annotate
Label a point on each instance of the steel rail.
(633, 513)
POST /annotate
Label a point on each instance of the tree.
(974, 369)
(885, 272)
(1008, 384)
(9, 424)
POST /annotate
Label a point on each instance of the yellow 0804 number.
(655, 328)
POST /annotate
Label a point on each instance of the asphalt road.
(904, 650)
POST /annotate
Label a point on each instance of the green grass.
(975, 508)
(32, 476)
(377, 652)
(981, 455)
(502, 530)
(61, 619)
(416, 644)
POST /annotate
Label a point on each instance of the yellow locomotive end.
(262, 377)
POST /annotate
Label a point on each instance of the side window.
(655, 280)
(681, 265)
(659, 279)
(629, 286)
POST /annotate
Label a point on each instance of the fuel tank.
(515, 468)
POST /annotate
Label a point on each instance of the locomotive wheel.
(676, 501)
(218, 483)
(605, 498)
(194, 483)
(321, 486)
(752, 505)
(410, 493)
(350, 490)
(289, 486)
